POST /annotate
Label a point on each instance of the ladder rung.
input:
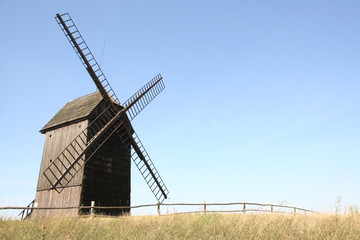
(148, 174)
(62, 164)
(157, 192)
(66, 20)
(56, 168)
(69, 173)
(143, 173)
(73, 32)
(52, 174)
(152, 184)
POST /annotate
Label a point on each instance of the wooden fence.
(239, 207)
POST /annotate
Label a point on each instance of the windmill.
(96, 163)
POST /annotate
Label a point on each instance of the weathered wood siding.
(107, 177)
(55, 142)
(69, 197)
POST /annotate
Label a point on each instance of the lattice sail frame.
(72, 159)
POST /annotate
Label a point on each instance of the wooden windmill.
(90, 141)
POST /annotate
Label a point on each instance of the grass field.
(200, 226)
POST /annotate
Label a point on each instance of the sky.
(261, 102)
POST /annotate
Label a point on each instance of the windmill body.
(90, 141)
(105, 178)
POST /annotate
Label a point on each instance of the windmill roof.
(74, 111)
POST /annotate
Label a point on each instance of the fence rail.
(244, 208)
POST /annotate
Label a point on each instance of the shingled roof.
(74, 111)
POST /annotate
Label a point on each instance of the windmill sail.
(156, 85)
(82, 50)
(148, 171)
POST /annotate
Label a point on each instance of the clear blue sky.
(261, 103)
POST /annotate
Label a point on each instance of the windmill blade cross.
(61, 172)
(63, 169)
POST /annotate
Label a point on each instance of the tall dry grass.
(209, 226)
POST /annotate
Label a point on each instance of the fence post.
(205, 207)
(244, 207)
(158, 208)
(271, 208)
(92, 212)
(294, 209)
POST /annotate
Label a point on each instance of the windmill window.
(50, 135)
(50, 160)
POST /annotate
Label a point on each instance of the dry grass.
(209, 226)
